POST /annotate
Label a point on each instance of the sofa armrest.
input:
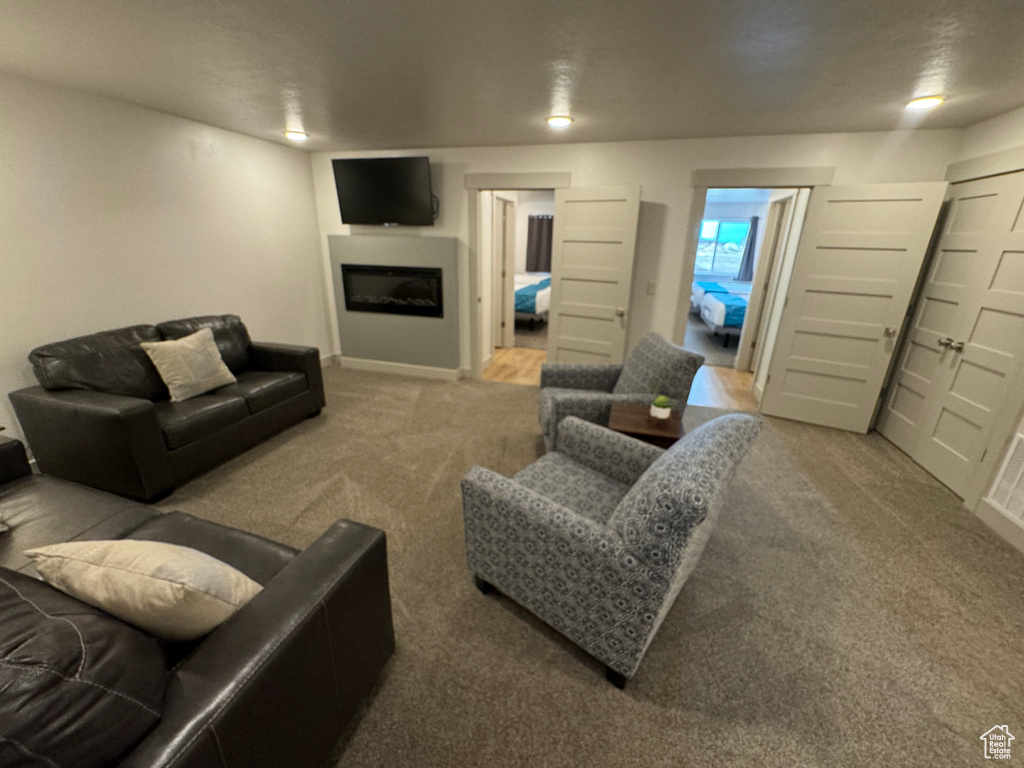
(278, 682)
(267, 356)
(13, 461)
(600, 378)
(110, 442)
(613, 454)
(576, 575)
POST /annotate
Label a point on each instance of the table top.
(635, 419)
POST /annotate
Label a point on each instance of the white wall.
(663, 169)
(994, 135)
(532, 202)
(114, 215)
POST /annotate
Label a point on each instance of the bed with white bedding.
(533, 295)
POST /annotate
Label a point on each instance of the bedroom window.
(720, 247)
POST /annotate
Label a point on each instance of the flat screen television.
(385, 190)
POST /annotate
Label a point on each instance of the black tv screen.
(385, 190)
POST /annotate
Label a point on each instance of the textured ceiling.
(357, 74)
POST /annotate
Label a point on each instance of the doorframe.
(475, 183)
(703, 179)
(776, 222)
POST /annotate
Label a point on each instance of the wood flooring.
(713, 386)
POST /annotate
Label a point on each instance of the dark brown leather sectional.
(102, 417)
(275, 685)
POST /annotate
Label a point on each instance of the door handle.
(957, 346)
(945, 341)
(620, 312)
(889, 332)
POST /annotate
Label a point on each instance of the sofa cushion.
(77, 687)
(189, 366)
(656, 366)
(42, 510)
(111, 361)
(573, 485)
(175, 593)
(262, 389)
(183, 423)
(673, 496)
(229, 332)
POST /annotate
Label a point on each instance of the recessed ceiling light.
(559, 121)
(295, 135)
(925, 102)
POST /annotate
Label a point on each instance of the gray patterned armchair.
(587, 391)
(597, 537)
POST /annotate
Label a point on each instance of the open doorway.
(516, 238)
(743, 233)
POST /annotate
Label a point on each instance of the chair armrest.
(573, 573)
(267, 356)
(613, 454)
(13, 461)
(110, 442)
(600, 378)
(278, 682)
(596, 407)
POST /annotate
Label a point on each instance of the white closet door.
(964, 357)
(592, 252)
(858, 261)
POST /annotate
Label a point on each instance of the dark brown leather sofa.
(273, 686)
(102, 416)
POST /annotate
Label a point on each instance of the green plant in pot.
(661, 407)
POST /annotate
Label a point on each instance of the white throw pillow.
(172, 592)
(190, 365)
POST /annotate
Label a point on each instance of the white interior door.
(858, 261)
(752, 322)
(592, 252)
(963, 359)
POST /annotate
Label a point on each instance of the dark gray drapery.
(746, 273)
(538, 243)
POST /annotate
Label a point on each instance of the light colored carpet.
(699, 339)
(846, 612)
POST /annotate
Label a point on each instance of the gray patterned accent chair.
(654, 367)
(597, 537)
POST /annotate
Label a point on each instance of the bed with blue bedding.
(721, 305)
(533, 295)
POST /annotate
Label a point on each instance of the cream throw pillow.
(190, 365)
(172, 592)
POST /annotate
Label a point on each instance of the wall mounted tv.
(385, 190)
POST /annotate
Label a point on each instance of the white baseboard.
(402, 369)
(1008, 528)
(486, 362)
(329, 359)
(758, 392)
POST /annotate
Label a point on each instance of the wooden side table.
(635, 420)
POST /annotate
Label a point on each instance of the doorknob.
(957, 346)
(620, 312)
(889, 332)
(945, 341)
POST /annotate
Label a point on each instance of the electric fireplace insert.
(393, 290)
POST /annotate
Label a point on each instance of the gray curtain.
(538, 243)
(746, 273)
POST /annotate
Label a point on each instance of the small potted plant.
(661, 408)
